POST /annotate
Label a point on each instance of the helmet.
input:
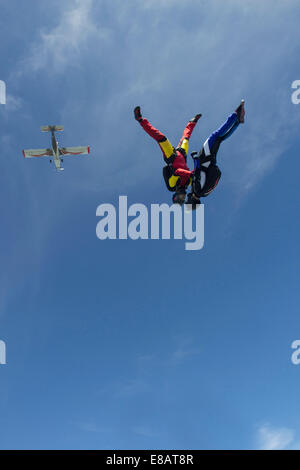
(192, 201)
(176, 197)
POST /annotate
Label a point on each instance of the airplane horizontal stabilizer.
(52, 128)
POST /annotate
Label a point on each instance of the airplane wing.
(74, 150)
(37, 153)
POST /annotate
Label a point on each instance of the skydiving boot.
(240, 111)
(137, 113)
(196, 118)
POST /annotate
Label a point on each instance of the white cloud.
(271, 438)
(146, 431)
(13, 103)
(180, 354)
(176, 356)
(131, 387)
(92, 427)
(61, 46)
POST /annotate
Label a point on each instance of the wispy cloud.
(183, 350)
(92, 427)
(13, 103)
(131, 387)
(146, 431)
(63, 45)
(271, 438)
(180, 354)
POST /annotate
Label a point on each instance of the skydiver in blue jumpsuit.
(206, 172)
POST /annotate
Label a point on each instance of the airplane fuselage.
(55, 150)
(54, 145)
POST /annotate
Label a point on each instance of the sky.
(141, 344)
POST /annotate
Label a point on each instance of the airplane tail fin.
(52, 128)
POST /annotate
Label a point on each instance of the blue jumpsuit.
(212, 144)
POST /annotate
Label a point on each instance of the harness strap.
(182, 151)
(200, 158)
(169, 170)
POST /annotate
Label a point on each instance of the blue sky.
(123, 344)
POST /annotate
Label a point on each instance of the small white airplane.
(57, 153)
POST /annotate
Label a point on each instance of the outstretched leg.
(212, 144)
(184, 141)
(164, 143)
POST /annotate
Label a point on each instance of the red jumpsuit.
(179, 165)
